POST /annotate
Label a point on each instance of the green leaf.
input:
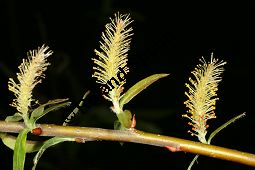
(20, 150)
(223, 126)
(15, 118)
(125, 118)
(57, 106)
(138, 87)
(124, 121)
(37, 113)
(51, 142)
(52, 105)
(9, 141)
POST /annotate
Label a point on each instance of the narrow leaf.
(223, 126)
(20, 150)
(51, 142)
(37, 113)
(52, 105)
(15, 118)
(31, 146)
(55, 107)
(138, 87)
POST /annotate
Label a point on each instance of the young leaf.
(15, 118)
(51, 142)
(125, 118)
(223, 126)
(138, 87)
(37, 113)
(20, 150)
(41, 111)
(56, 107)
(9, 141)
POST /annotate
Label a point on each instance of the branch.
(136, 136)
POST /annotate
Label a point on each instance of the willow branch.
(136, 136)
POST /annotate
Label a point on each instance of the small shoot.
(31, 73)
(111, 69)
(202, 97)
(51, 142)
(56, 140)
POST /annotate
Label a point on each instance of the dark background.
(168, 38)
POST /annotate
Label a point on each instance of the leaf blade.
(139, 86)
(9, 141)
(125, 118)
(223, 126)
(14, 118)
(41, 111)
(19, 154)
(47, 144)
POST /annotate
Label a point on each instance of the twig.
(137, 136)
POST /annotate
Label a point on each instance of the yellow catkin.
(113, 56)
(31, 73)
(202, 95)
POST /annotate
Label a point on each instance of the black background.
(168, 38)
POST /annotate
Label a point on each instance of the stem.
(137, 136)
